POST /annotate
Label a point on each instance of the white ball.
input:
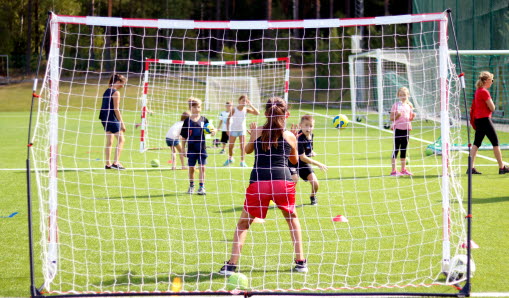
(458, 268)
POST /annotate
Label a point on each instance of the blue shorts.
(192, 158)
(172, 142)
(111, 126)
(237, 133)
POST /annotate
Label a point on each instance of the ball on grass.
(237, 281)
(429, 151)
(155, 163)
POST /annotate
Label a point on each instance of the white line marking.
(413, 138)
(490, 294)
(414, 165)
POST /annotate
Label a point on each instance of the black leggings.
(484, 127)
(400, 142)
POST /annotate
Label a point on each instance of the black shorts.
(305, 171)
(193, 158)
(484, 127)
(111, 126)
(224, 137)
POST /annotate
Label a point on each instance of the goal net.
(496, 62)
(171, 82)
(377, 75)
(138, 231)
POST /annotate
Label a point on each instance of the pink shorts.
(259, 194)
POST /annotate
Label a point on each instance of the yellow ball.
(340, 121)
(208, 128)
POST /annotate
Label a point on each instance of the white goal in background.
(169, 83)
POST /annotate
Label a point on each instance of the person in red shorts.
(481, 110)
(270, 180)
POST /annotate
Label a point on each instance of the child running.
(173, 141)
(402, 115)
(305, 149)
(270, 180)
(236, 125)
(223, 119)
(194, 137)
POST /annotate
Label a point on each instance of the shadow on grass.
(240, 208)
(133, 278)
(143, 196)
(489, 200)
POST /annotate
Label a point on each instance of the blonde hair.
(483, 77)
(405, 89)
(193, 102)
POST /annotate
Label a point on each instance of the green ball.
(407, 160)
(237, 281)
(429, 151)
(155, 163)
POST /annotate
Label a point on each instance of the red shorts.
(259, 194)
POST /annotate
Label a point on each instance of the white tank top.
(238, 120)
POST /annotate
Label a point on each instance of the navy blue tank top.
(107, 110)
(271, 164)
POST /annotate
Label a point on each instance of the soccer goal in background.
(170, 82)
(376, 76)
(137, 232)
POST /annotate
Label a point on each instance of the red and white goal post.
(168, 84)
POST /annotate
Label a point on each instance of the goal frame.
(53, 76)
(146, 86)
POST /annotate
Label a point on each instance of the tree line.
(23, 22)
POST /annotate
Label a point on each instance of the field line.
(413, 138)
(221, 167)
(490, 294)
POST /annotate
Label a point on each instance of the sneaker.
(395, 174)
(228, 269)
(221, 152)
(117, 166)
(228, 162)
(503, 170)
(107, 167)
(243, 164)
(190, 190)
(201, 191)
(301, 266)
(476, 172)
(406, 172)
(313, 201)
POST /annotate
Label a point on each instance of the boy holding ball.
(194, 137)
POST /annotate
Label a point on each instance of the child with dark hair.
(112, 121)
(270, 180)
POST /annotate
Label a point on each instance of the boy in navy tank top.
(194, 138)
(305, 147)
(270, 180)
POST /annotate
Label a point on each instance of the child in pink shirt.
(402, 115)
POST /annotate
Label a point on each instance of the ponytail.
(275, 111)
(483, 77)
(117, 78)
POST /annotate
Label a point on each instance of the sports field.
(150, 195)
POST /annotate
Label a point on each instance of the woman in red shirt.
(482, 108)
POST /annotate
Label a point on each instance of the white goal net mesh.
(138, 230)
